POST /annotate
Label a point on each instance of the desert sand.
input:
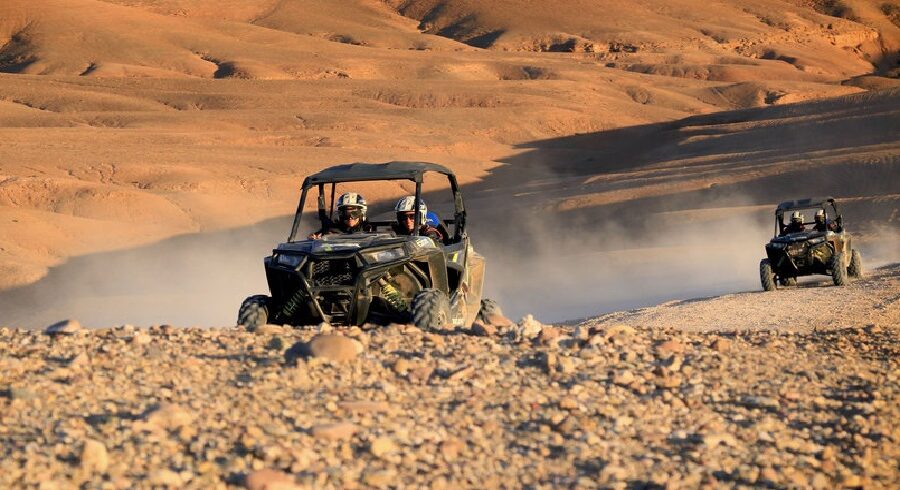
(617, 157)
(676, 396)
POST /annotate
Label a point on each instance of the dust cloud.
(189, 280)
(614, 266)
(555, 272)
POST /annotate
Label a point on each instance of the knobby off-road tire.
(766, 276)
(855, 270)
(254, 311)
(431, 309)
(488, 307)
(838, 271)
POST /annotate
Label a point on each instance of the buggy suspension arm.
(290, 305)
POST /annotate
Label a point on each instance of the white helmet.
(796, 216)
(406, 204)
(820, 214)
(348, 199)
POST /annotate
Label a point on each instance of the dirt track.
(814, 305)
(799, 394)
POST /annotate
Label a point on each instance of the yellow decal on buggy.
(454, 257)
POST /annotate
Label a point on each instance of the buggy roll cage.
(362, 172)
(807, 203)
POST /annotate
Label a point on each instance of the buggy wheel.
(431, 309)
(489, 307)
(838, 271)
(855, 269)
(766, 276)
(254, 311)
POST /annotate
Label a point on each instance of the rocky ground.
(606, 403)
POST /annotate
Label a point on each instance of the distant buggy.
(804, 248)
(375, 276)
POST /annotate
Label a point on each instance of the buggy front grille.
(796, 249)
(334, 272)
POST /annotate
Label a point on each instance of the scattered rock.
(334, 432)
(275, 344)
(167, 416)
(334, 348)
(763, 402)
(65, 327)
(565, 365)
(21, 393)
(451, 448)
(483, 330)
(402, 366)
(461, 373)
(548, 334)
(529, 328)
(493, 315)
(382, 446)
(549, 362)
(93, 457)
(623, 377)
(141, 338)
(618, 331)
(365, 406)
(380, 478)
(568, 403)
(721, 345)
(269, 329)
(165, 478)
(567, 408)
(668, 381)
(268, 479)
(79, 361)
(713, 440)
(420, 374)
(670, 347)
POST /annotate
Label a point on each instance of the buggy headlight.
(816, 241)
(386, 255)
(288, 260)
(777, 245)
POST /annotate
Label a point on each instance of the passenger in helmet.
(796, 224)
(823, 224)
(351, 209)
(406, 219)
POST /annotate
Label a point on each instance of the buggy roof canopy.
(809, 202)
(355, 172)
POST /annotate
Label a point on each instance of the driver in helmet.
(352, 209)
(823, 224)
(796, 224)
(406, 219)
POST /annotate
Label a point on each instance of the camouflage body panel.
(807, 253)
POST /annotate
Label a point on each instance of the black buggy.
(820, 248)
(374, 276)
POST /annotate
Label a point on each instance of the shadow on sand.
(633, 249)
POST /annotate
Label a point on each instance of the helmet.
(406, 204)
(350, 200)
(796, 217)
(820, 215)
